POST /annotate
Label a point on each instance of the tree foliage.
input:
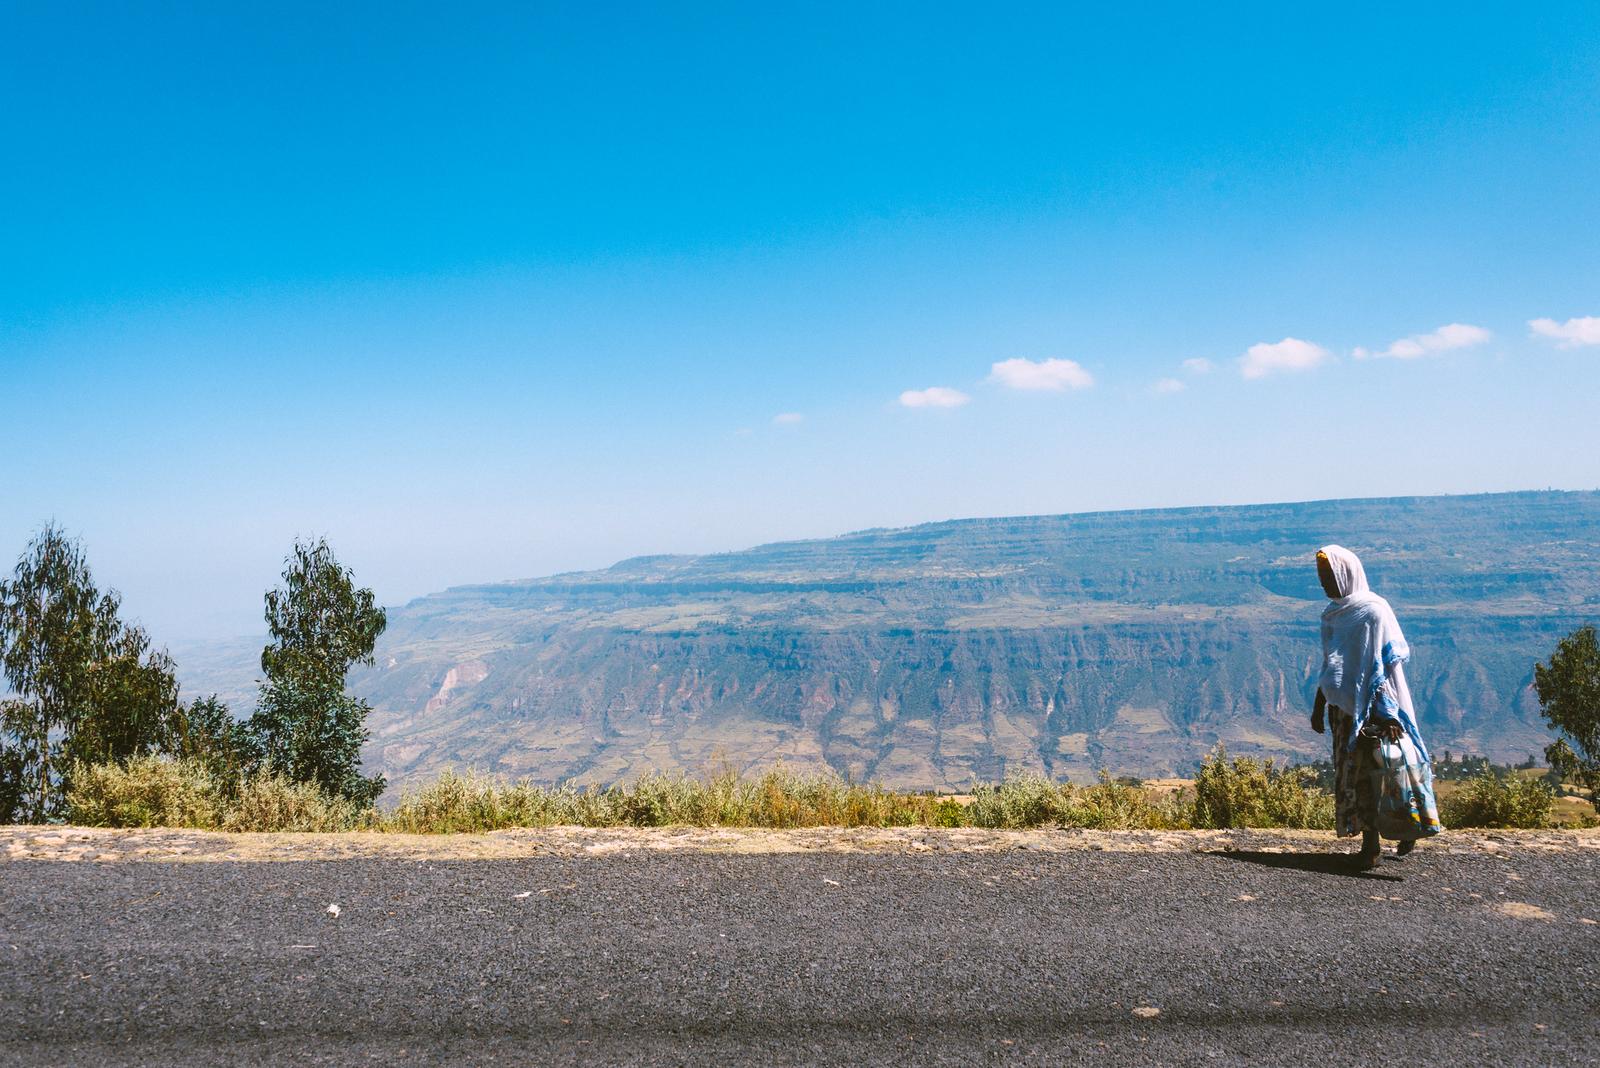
(321, 624)
(1569, 694)
(133, 700)
(212, 739)
(87, 687)
(319, 621)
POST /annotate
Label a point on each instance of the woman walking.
(1383, 783)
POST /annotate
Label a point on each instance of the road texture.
(936, 956)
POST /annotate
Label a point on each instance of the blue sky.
(483, 293)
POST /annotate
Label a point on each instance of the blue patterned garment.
(1384, 785)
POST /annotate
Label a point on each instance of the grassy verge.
(1228, 792)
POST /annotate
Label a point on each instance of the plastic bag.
(1403, 784)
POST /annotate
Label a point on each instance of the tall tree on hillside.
(1569, 693)
(321, 624)
(86, 687)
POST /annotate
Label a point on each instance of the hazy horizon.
(260, 632)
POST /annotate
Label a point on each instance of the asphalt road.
(1099, 958)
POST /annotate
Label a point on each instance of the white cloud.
(787, 419)
(1450, 336)
(1570, 334)
(934, 397)
(1199, 366)
(1053, 375)
(1170, 385)
(1290, 354)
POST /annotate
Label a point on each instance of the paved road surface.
(1096, 958)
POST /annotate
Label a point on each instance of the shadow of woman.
(1317, 863)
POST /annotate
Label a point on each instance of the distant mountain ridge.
(934, 655)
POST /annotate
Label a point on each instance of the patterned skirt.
(1355, 802)
(1394, 798)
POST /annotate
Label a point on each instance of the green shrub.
(1246, 792)
(146, 791)
(1492, 801)
(475, 803)
(272, 802)
(948, 812)
(1117, 805)
(1029, 801)
(1020, 802)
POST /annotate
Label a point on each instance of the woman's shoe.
(1368, 859)
(1405, 847)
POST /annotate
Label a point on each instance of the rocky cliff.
(934, 655)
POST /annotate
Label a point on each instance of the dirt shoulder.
(33, 843)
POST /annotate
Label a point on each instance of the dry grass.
(777, 799)
(144, 792)
(1228, 793)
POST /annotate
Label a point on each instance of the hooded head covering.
(1363, 650)
(1349, 577)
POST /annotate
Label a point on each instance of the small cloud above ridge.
(1447, 337)
(1290, 354)
(933, 397)
(1199, 365)
(1052, 375)
(1170, 385)
(788, 419)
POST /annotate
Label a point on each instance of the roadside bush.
(776, 799)
(474, 802)
(155, 791)
(1492, 801)
(781, 798)
(146, 791)
(1020, 802)
(271, 802)
(1115, 805)
(1028, 801)
(1246, 792)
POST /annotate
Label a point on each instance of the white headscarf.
(1364, 651)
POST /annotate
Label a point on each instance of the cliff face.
(931, 656)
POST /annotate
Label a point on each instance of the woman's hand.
(1317, 723)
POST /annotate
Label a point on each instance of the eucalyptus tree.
(1569, 694)
(84, 686)
(320, 624)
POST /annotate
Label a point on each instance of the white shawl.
(1364, 652)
